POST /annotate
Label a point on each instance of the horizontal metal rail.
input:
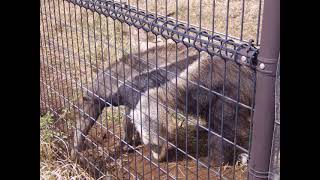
(178, 32)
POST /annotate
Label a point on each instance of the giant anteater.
(214, 85)
(123, 81)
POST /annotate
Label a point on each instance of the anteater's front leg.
(131, 136)
(85, 119)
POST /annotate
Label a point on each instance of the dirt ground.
(106, 157)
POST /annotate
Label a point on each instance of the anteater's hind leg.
(218, 152)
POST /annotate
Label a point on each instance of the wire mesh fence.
(160, 89)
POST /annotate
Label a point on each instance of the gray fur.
(133, 72)
(212, 77)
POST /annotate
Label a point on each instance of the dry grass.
(54, 164)
(206, 19)
(77, 42)
(98, 40)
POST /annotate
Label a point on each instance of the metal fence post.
(263, 119)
